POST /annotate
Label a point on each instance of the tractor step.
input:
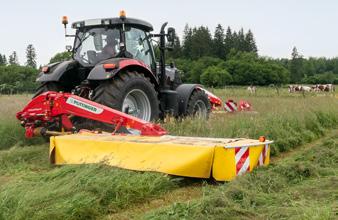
(220, 158)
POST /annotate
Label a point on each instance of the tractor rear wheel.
(131, 93)
(199, 105)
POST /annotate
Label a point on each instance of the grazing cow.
(325, 88)
(252, 89)
(299, 88)
(315, 88)
(306, 88)
(329, 88)
(295, 88)
(291, 88)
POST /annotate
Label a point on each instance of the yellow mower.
(145, 146)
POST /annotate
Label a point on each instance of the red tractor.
(113, 63)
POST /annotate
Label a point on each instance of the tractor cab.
(97, 40)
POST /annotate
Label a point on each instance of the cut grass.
(302, 186)
(31, 188)
(78, 192)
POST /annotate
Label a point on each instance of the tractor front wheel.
(131, 93)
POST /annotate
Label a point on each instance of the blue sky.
(278, 25)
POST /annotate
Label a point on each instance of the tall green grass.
(31, 188)
(302, 186)
(289, 121)
(11, 133)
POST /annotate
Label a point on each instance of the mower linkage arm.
(51, 106)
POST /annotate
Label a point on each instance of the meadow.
(300, 183)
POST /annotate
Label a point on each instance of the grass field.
(300, 184)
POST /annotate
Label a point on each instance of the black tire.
(48, 86)
(199, 105)
(113, 92)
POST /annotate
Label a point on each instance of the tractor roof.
(113, 21)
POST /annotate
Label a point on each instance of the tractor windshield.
(95, 45)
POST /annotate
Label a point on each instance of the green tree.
(296, 66)
(13, 59)
(239, 42)
(250, 43)
(218, 42)
(215, 76)
(62, 56)
(201, 42)
(31, 56)
(228, 41)
(187, 42)
(198, 66)
(17, 79)
(4, 59)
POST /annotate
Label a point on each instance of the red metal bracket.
(49, 106)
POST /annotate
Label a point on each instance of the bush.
(215, 76)
(17, 79)
(324, 78)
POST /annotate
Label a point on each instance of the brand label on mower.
(84, 106)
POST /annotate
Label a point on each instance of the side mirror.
(171, 35)
(69, 48)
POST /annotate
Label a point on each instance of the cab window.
(138, 45)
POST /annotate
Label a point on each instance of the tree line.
(16, 78)
(231, 58)
(226, 57)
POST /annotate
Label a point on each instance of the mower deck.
(220, 158)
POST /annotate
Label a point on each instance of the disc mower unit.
(140, 146)
(219, 158)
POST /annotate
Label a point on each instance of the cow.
(325, 88)
(251, 89)
(329, 88)
(294, 88)
(299, 88)
(306, 89)
(291, 88)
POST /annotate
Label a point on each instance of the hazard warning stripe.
(242, 160)
(233, 105)
(230, 106)
(263, 155)
(227, 108)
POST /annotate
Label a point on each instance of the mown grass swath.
(32, 188)
(301, 186)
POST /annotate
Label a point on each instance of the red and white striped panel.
(242, 160)
(230, 106)
(263, 155)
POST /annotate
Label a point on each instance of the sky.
(278, 25)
